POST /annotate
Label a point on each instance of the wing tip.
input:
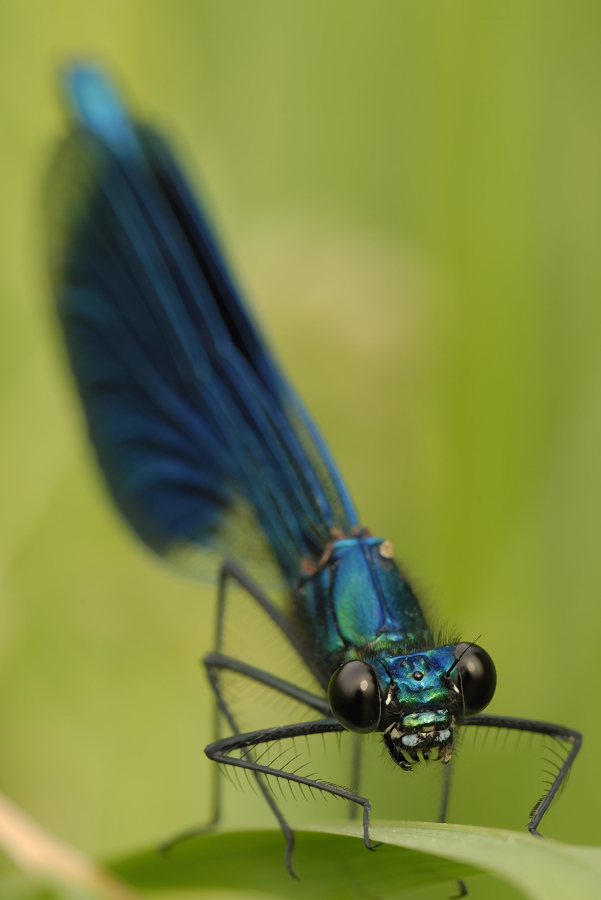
(95, 104)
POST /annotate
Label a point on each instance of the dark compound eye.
(477, 677)
(354, 696)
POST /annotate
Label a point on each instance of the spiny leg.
(220, 752)
(216, 662)
(569, 735)
(231, 570)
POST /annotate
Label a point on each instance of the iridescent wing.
(201, 440)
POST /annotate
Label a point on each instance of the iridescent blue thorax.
(358, 605)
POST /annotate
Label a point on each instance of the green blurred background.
(411, 194)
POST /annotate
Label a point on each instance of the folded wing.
(196, 431)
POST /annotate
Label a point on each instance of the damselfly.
(200, 437)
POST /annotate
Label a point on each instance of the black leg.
(357, 748)
(442, 817)
(235, 572)
(569, 735)
(220, 752)
(446, 788)
(211, 824)
(217, 662)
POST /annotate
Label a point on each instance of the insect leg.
(231, 570)
(218, 661)
(215, 662)
(442, 816)
(357, 749)
(446, 789)
(569, 735)
(220, 752)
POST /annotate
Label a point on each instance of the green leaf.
(542, 869)
(330, 866)
(331, 863)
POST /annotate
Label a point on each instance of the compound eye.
(477, 677)
(354, 696)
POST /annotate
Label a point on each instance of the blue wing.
(191, 420)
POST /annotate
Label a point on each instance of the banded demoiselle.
(204, 444)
